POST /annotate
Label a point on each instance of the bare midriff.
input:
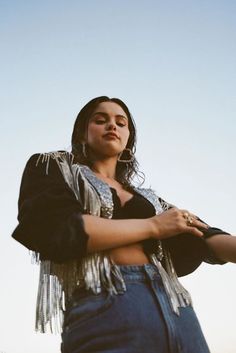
(129, 255)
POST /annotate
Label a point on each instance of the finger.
(189, 218)
(200, 224)
(195, 222)
(193, 215)
(185, 213)
(195, 231)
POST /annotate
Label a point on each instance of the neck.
(105, 168)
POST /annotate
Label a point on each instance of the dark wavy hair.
(125, 172)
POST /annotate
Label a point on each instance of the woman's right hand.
(174, 222)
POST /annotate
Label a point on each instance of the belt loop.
(150, 271)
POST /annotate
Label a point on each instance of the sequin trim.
(58, 281)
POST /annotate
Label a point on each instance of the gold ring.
(189, 221)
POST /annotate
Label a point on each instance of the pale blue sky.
(173, 63)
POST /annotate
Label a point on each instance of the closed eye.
(100, 121)
(121, 124)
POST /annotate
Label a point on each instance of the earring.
(129, 158)
(84, 153)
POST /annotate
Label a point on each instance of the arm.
(49, 214)
(223, 247)
(188, 251)
(52, 223)
(105, 233)
(110, 233)
(51, 220)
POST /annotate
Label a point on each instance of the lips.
(111, 135)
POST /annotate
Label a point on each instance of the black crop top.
(50, 221)
(136, 207)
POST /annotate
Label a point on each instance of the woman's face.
(108, 131)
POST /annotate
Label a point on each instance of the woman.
(110, 252)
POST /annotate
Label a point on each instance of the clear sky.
(173, 63)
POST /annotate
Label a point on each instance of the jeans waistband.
(139, 272)
(129, 273)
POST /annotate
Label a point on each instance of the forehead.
(110, 108)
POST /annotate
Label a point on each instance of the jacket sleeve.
(50, 221)
(188, 251)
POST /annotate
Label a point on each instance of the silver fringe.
(58, 281)
(177, 295)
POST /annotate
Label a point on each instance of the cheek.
(126, 136)
(93, 133)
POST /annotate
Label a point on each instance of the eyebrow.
(105, 115)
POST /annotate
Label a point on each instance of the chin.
(104, 155)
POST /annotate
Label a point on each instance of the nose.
(111, 125)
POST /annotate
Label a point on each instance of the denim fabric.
(137, 321)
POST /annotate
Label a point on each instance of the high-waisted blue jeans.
(137, 321)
